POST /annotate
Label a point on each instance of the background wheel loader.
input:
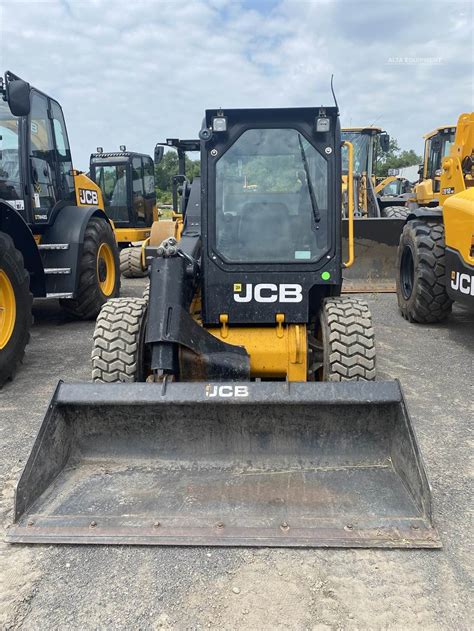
(435, 264)
(237, 405)
(393, 193)
(55, 241)
(127, 183)
(437, 146)
(377, 225)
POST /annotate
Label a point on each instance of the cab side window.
(149, 176)
(137, 189)
(64, 160)
(45, 193)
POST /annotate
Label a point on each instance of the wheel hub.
(407, 272)
(7, 309)
(106, 269)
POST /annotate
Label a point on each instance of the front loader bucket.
(245, 464)
(375, 248)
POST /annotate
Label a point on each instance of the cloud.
(137, 72)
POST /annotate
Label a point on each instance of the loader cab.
(437, 146)
(36, 175)
(271, 221)
(127, 182)
(369, 144)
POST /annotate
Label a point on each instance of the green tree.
(165, 170)
(395, 158)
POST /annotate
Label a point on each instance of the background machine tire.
(394, 212)
(421, 271)
(347, 341)
(99, 272)
(131, 263)
(15, 308)
(117, 355)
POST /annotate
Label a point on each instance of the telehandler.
(236, 406)
(435, 264)
(127, 183)
(55, 241)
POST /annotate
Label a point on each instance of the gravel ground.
(81, 587)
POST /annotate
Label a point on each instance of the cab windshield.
(10, 187)
(112, 180)
(361, 144)
(271, 198)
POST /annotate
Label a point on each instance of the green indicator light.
(325, 275)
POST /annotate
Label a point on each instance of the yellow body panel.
(278, 352)
(454, 178)
(424, 192)
(87, 191)
(131, 235)
(458, 218)
(166, 228)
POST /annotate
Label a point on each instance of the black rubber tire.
(118, 351)
(131, 263)
(395, 212)
(90, 298)
(421, 273)
(12, 264)
(348, 340)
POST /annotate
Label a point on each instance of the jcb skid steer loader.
(257, 420)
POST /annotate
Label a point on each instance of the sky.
(137, 72)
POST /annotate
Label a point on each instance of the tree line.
(394, 158)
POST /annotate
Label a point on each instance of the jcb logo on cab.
(268, 292)
(88, 197)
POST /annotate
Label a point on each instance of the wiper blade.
(312, 196)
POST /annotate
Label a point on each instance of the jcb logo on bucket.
(88, 197)
(463, 283)
(268, 292)
(226, 391)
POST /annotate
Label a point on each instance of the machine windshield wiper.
(314, 203)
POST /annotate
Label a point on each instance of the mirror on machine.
(18, 97)
(384, 142)
(159, 151)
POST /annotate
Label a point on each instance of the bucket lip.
(230, 393)
(113, 531)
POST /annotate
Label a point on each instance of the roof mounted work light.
(219, 123)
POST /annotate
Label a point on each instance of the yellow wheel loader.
(437, 146)
(378, 220)
(435, 264)
(237, 405)
(55, 241)
(127, 183)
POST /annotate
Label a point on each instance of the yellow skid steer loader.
(237, 405)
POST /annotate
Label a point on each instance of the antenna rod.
(333, 93)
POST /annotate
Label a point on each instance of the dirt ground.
(85, 587)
